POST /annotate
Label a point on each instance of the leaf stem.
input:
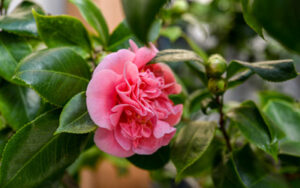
(219, 100)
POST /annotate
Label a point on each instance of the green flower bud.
(216, 66)
(180, 6)
(217, 85)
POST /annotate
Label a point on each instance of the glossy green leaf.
(151, 162)
(243, 169)
(94, 17)
(275, 71)
(266, 96)
(286, 15)
(254, 126)
(176, 55)
(206, 162)
(56, 74)
(21, 21)
(154, 30)
(12, 49)
(18, 104)
(249, 17)
(286, 118)
(120, 37)
(57, 31)
(75, 118)
(5, 134)
(33, 155)
(190, 144)
(140, 15)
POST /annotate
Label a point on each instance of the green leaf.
(75, 118)
(237, 74)
(154, 30)
(18, 104)
(58, 31)
(94, 17)
(6, 4)
(140, 15)
(172, 32)
(33, 155)
(243, 169)
(254, 126)
(176, 55)
(285, 26)
(120, 37)
(56, 74)
(266, 96)
(5, 134)
(205, 163)
(250, 19)
(21, 20)
(190, 144)
(12, 49)
(194, 46)
(275, 71)
(286, 118)
(152, 162)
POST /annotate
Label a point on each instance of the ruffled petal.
(102, 97)
(144, 55)
(161, 128)
(106, 141)
(173, 119)
(115, 61)
(167, 73)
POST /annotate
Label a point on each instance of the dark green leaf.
(249, 18)
(242, 169)
(140, 15)
(275, 71)
(154, 30)
(94, 17)
(5, 134)
(266, 96)
(120, 37)
(21, 20)
(12, 49)
(33, 155)
(285, 26)
(205, 163)
(18, 104)
(254, 126)
(176, 55)
(152, 162)
(56, 74)
(75, 118)
(199, 70)
(190, 144)
(286, 118)
(57, 31)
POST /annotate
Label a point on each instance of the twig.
(219, 100)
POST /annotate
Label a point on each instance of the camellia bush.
(69, 97)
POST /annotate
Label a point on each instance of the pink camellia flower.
(128, 100)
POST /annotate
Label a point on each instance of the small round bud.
(216, 66)
(217, 85)
(180, 6)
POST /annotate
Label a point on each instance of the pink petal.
(167, 138)
(115, 61)
(133, 46)
(144, 55)
(106, 141)
(173, 119)
(124, 142)
(161, 128)
(169, 77)
(102, 97)
(147, 146)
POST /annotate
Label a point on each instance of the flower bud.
(217, 85)
(216, 66)
(180, 6)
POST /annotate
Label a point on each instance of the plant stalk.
(1, 7)
(219, 100)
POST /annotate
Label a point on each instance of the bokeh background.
(216, 26)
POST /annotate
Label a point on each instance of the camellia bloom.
(128, 100)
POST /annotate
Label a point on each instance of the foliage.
(44, 72)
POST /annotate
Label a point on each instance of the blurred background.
(215, 26)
